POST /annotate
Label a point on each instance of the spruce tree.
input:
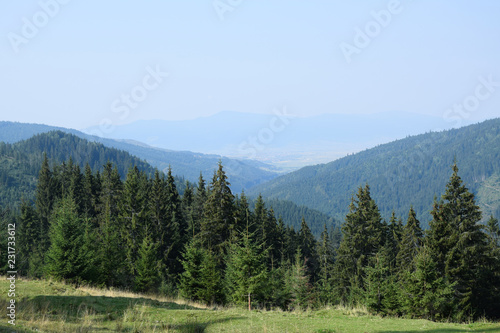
(158, 218)
(492, 300)
(465, 251)
(64, 259)
(411, 241)
(148, 266)
(493, 229)
(298, 283)
(363, 236)
(89, 193)
(281, 240)
(376, 276)
(212, 291)
(75, 189)
(325, 259)
(132, 216)
(260, 215)
(111, 252)
(90, 253)
(276, 292)
(272, 238)
(45, 199)
(243, 216)
(291, 244)
(427, 294)
(246, 273)
(439, 236)
(218, 215)
(191, 280)
(308, 250)
(393, 237)
(188, 211)
(200, 197)
(175, 228)
(30, 254)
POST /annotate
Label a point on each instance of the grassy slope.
(44, 306)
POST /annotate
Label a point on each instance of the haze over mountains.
(281, 139)
(243, 174)
(404, 172)
(401, 173)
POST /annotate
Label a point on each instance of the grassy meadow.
(48, 306)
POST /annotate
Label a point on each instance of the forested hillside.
(20, 162)
(207, 245)
(406, 172)
(292, 215)
(244, 174)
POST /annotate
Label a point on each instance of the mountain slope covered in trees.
(20, 162)
(244, 174)
(406, 172)
(207, 245)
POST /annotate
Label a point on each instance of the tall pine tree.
(363, 236)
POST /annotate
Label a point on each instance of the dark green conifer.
(427, 293)
(132, 216)
(463, 253)
(111, 251)
(363, 236)
(246, 273)
(30, 254)
(64, 259)
(148, 266)
(325, 259)
(218, 215)
(191, 280)
(45, 199)
(411, 241)
(308, 250)
(298, 283)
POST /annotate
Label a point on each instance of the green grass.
(47, 306)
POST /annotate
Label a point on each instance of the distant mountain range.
(279, 139)
(243, 174)
(20, 164)
(409, 171)
(405, 172)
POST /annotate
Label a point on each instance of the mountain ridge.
(244, 174)
(401, 173)
(280, 138)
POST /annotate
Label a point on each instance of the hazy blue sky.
(73, 63)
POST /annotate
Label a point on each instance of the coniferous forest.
(209, 245)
